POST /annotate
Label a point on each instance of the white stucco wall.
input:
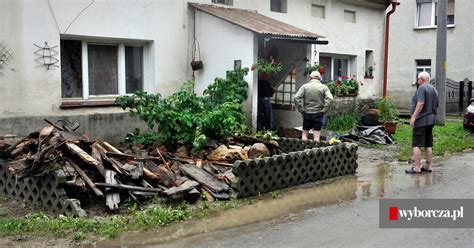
(408, 44)
(27, 89)
(221, 43)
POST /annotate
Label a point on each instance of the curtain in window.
(133, 68)
(103, 74)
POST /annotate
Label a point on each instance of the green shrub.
(188, 118)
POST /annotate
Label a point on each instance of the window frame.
(226, 2)
(121, 68)
(283, 103)
(283, 6)
(433, 16)
(331, 64)
(323, 7)
(423, 67)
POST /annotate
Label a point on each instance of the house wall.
(221, 43)
(408, 44)
(28, 90)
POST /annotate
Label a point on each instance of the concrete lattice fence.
(301, 162)
(44, 192)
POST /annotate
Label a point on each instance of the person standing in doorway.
(424, 105)
(313, 100)
(265, 110)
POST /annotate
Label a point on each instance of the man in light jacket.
(313, 100)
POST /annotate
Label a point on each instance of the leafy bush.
(388, 110)
(344, 121)
(189, 118)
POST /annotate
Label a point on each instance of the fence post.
(469, 90)
(461, 96)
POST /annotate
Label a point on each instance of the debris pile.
(98, 169)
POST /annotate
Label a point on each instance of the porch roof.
(258, 23)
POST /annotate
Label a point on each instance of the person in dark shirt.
(265, 111)
(423, 108)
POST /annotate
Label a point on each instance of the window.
(226, 2)
(336, 67)
(284, 95)
(318, 11)
(99, 69)
(427, 13)
(278, 6)
(422, 65)
(349, 16)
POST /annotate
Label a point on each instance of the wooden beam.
(84, 177)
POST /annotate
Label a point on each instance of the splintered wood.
(98, 170)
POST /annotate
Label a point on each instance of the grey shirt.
(428, 94)
(313, 97)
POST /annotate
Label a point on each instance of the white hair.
(315, 74)
(424, 75)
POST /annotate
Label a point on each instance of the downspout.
(387, 30)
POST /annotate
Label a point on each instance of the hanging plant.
(196, 64)
(321, 67)
(270, 67)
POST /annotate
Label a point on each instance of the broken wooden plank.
(128, 187)
(96, 155)
(204, 178)
(208, 195)
(19, 165)
(134, 169)
(111, 148)
(186, 186)
(84, 177)
(112, 199)
(81, 153)
(217, 195)
(54, 125)
(164, 177)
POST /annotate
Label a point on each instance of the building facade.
(65, 59)
(413, 48)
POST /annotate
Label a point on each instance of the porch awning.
(260, 24)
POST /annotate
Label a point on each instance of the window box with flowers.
(344, 87)
(321, 67)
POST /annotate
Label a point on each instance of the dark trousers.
(265, 114)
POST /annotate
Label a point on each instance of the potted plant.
(196, 64)
(369, 72)
(388, 114)
(321, 68)
(269, 67)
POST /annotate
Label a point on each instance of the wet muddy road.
(342, 212)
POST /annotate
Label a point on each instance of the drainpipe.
(387, 30)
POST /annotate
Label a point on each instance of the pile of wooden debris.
(99, 169)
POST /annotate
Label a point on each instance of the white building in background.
(413, 48)
(70, 59)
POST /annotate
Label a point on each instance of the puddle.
(373, 181)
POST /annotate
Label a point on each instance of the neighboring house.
(413, 48)
(101, 49)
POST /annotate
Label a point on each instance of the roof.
(255, 22)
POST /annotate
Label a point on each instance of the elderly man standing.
(313, 100)
(423, 108)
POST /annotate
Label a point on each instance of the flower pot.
(196, 65)
(390, 127)
(322, 70)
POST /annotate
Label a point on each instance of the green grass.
(157, 213)
(449, 139)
